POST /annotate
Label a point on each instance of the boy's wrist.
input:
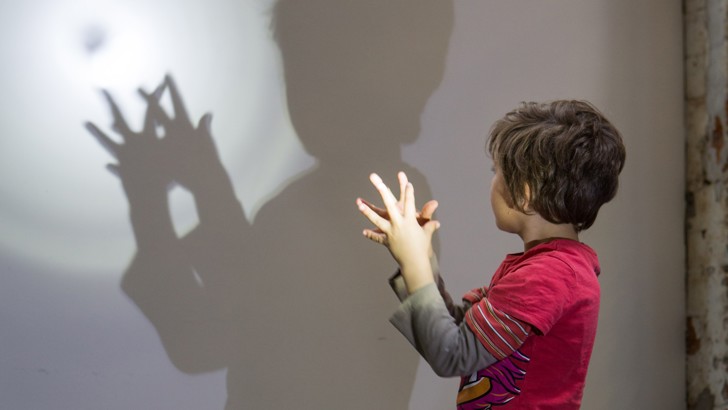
(417, 274)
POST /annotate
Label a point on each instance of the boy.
(524, 341)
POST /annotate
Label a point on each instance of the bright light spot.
(60, 206)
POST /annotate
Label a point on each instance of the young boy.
(524, 341)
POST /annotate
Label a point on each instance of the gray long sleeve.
(451, 349)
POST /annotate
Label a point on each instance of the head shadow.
(359, 73)
(295, 305)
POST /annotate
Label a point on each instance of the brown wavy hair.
(560, 159)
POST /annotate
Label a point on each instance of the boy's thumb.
(431, 226)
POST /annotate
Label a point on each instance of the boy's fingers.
(410, 209)
(373, 217)
(390, 202)
(402, 178)
(428, 209)
(375, 236)
(425, 215)
(381, 212)
(430, 228)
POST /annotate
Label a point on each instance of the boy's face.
(507, 218)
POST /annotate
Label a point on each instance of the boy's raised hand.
(398, 228)
(424, 216)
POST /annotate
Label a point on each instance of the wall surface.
(222, 262)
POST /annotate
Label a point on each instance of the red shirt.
(553, 288)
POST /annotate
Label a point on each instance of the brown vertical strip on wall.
(706, 106)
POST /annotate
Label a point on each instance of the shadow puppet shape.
(295, 305)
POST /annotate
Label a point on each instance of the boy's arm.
(398, 285)
(396, 282)
(401, 229)
(423, 317)
(450, 349)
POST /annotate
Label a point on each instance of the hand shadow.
(295, 306)
(180, 284)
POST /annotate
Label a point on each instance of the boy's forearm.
(399, 285)
(449, 348)
(433, 325)
(420, 273)
(417, 275)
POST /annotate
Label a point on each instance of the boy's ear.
(526, 205)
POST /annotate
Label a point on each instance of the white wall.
(74, 338)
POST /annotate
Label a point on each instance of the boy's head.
(559, 159)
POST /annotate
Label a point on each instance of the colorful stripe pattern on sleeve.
(499, 333)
